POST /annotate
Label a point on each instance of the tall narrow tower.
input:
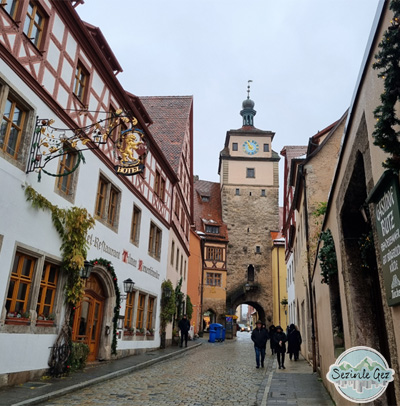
(249, 179)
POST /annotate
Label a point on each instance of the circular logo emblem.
(360, 374)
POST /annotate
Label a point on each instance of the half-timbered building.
(58, 77)
(172, 128)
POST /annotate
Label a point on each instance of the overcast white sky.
(303, 56)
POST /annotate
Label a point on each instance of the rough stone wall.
(250, 217)
(218, 306)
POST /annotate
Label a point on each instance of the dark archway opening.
(209, 317)
(366, 309)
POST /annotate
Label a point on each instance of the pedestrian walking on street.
(184, 326)
(271, 336)
(294, 342)
(259, 337)
(280, 346)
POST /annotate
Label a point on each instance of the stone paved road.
(214, 374)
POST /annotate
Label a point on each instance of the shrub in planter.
(78, 358)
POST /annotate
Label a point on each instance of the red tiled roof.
(208, 212)
(171, 117)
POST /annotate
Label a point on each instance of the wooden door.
(88, 317)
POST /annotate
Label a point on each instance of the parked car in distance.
(242, 327)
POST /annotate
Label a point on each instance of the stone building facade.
(357, 308)
(249, 181)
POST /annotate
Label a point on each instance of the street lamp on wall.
(84, 273)
(167, 292)
(128, 285)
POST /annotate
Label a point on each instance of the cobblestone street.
(210, 375)
(213, 374)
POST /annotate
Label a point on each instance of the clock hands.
(249, 145)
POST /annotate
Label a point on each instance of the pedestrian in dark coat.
(264, 327)
(280, 346)
(259, 337)
(271, 336)
(184, 326)
(294, 342)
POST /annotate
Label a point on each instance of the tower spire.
(248, 88)
(248, 111)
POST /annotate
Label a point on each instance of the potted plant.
(46, 321)
(140, 333)
(18, 318)
(129, 331)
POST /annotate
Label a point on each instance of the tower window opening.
(250, 273)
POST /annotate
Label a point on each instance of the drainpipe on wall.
(202, 244)
(303, 175)
(279, 288)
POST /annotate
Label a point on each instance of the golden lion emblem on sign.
(129, 146)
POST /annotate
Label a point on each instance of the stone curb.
(111, 375)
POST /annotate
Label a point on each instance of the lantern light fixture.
(128, 285)
(84, 273)
(167, 292)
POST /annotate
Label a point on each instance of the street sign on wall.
(386, 199)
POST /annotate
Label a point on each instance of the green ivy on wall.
(72, 225)
(189, 307)
(386, 134)
(167, 304)
(327, 257)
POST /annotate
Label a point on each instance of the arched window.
(250, 273)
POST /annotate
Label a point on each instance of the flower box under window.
(18, 321)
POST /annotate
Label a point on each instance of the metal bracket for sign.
(50, 142)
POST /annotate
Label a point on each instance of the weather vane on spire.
(248, 88)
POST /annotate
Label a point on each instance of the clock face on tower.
(250, 147)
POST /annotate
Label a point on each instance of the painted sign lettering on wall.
(125, 256)
(386, 199)
(149, 270)
(102, 246)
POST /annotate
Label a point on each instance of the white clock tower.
(249, 179)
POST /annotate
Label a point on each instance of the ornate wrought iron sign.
(119, 129)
